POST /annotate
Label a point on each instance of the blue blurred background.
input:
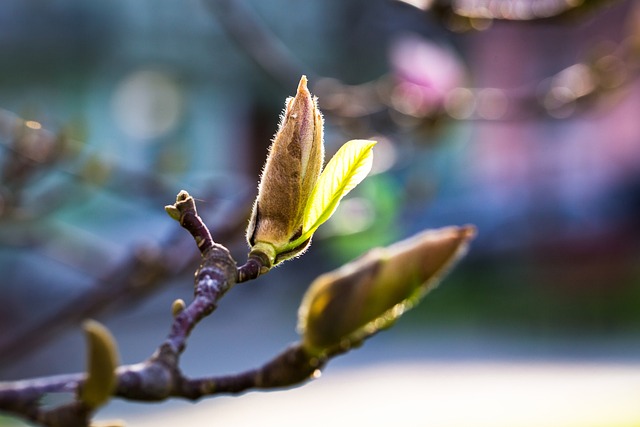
(527, 128)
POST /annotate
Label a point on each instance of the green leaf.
(346, 169)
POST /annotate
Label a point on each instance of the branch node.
(256, 265)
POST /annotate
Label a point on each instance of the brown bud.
(291, 171)
(344, 307)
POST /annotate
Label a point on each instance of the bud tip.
(469, 231)
(302, 86)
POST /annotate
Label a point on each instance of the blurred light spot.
(540, 9)
(560, 102)
(404, 121)
(413, 100)
(567, 86)
(33, 124)
(612, 71)
(513, 9)
(492, 104)
(420, 4)
(352, 216)
(425, 72)
(353, 108)
(316, 374)
(384, 86)
(480, 24)
(330, 92)
(384, 155)
(578, 79)
(147, 104)
(472, 9)
(460, 103)
(352, 101)
(505, 9)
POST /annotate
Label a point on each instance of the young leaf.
(346, 169)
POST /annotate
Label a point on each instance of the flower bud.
(346, 306)
(291, 171)
(102, 352)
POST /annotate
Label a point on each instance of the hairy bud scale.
(290, 173)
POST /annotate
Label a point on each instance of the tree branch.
(159, 377)
(325, 332)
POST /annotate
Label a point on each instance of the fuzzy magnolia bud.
(292, 169)
(344, 307)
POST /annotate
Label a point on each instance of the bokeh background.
(521, 117)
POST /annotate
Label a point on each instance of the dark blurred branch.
(32, 150)
(257, 41)
(145, 271)
(394, 101)
(573, 90)
(126, 283)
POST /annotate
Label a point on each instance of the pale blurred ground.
(415, 374)
(416, 394)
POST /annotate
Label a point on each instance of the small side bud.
(289, 176)
(182, 196)
(173, 212)
(177, 307)
(184, 202)
(102, 355)
(348, 305)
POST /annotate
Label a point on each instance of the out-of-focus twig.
(145, 271)
(385, 101)
(31, 150)
(257, 41)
